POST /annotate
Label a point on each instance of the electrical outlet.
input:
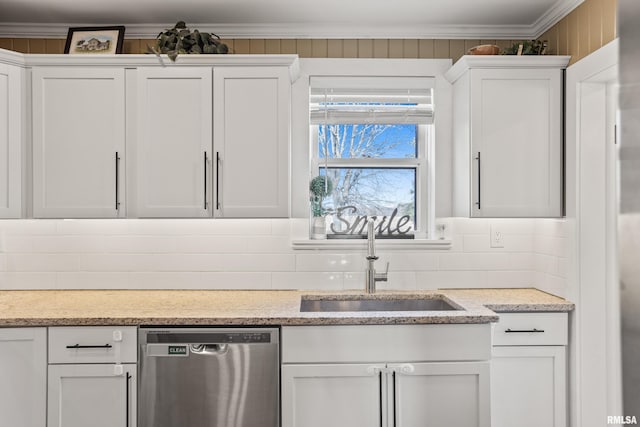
(497, 237)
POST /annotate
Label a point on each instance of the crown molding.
(322, 31)
(467, 62)
(12, 58)
(552, 16)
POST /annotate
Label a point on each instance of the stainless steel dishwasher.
(197, 377)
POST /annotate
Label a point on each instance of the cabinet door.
(528, 386)
(11, 111)
(78, 142)
(92, 395)
(173, 155)
(442, 394)
(516, 142)
(251, 139)
(331, 395)
(23, 377)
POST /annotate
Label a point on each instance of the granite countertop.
(216, 307)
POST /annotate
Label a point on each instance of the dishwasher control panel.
(166, 337)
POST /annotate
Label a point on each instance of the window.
(371, 140)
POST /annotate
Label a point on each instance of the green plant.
(180, 40)
(319, 188)
(529, 47)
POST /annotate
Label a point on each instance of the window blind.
(383, 100)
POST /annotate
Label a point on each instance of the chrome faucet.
(371, 276)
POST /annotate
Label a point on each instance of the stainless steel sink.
(377, 304)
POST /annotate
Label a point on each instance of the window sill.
(361, 244)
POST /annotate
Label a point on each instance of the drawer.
(531, 329)
(385, 343)
(93, 344)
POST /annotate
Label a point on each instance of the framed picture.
(94, 40)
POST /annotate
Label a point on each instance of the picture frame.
(94, 40)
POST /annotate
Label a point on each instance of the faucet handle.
(382, 277)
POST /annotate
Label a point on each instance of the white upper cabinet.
(251, 141)
(173, 168)
(508, 136)
(78, 142)
(11, 139)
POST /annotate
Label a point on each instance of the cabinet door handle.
(126, 395)
(206, 205)
(117, 181)
(395, 411)
(479, 177)
(90, 346)
(218, 162)
(523, 331)
(380, 392)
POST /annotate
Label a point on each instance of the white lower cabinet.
(528, 371)
(331, 395)
(92, 395)
(440, 394)
(92, 377)
(406, 394)
(23, 377)
(386, 391)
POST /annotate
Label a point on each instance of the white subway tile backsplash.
(165, 280)
(308, 280)
(92, 280)
(18, 244)
(474, 261)
(27, 227)
(281, 227)
(472, 226)
(27, 280)
(408, 261)
(546, 263)
(451, 279)
(563, 266)
(514, 225)
(320, 261)
(257, 254)
(397, 281)
(269, 244)
(211, 244)
(510, 279)
(257, 262)
(35, 262)
(354, 280)
(234, 280)
(521, 261)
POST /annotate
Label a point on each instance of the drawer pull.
(522, 331)
(89, 346)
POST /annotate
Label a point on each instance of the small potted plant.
(181, 40)
(319, 188)
(527, 47)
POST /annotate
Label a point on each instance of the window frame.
(440, 200)
(424, 215)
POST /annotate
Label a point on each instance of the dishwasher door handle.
(209, 349)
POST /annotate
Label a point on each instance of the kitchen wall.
(589, 27)
(585, 30)
(257, 254)
(305, 48)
